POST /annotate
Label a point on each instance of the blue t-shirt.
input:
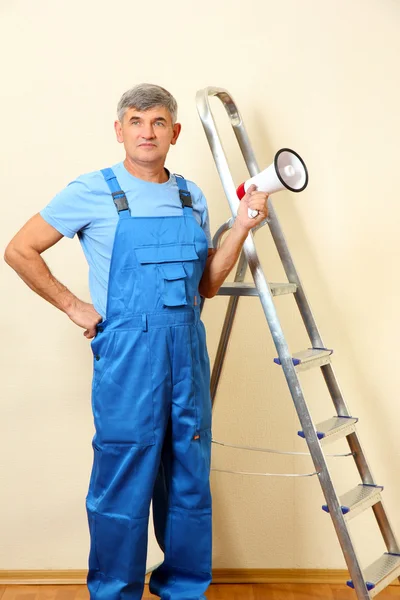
(86, 207)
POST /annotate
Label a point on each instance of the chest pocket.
(169, 260)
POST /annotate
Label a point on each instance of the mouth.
(147, 145)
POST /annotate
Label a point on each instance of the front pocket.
(167, 264)
(174, 289)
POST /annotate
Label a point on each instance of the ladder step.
(334, 428)
(237, 288)
(308, 359)
(357, 500)
(382, 572)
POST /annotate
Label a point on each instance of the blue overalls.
(152, 411)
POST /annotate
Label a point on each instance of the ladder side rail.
(222, 347)
(285, 357)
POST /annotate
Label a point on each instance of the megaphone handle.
(252, 213)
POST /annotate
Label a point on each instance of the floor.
(215, 592)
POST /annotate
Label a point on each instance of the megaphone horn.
(288, 171)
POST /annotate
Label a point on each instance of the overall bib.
(152, 411)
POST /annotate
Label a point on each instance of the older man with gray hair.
(146, 236)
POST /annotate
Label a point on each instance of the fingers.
(258, 202)
(90, 333)
(255, 199)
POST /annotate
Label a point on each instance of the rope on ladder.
(272, 451)
(267, 474)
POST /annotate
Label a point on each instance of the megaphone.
(288, 171)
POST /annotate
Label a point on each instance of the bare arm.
(23, 254)
(220, 263)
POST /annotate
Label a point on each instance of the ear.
(118, 132)
(176, 131)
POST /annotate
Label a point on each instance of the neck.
(148, 172)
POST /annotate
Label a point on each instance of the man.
(146, 237)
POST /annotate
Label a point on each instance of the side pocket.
(102, 347)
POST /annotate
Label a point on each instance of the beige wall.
(318, 76)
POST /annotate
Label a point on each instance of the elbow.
(211, 295)
(209, 292)
(11, 255)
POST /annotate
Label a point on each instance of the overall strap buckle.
(120, 200)
(184, 194)
(186, 199)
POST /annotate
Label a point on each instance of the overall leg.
(118, 512)
(186, 571)
(131, 400)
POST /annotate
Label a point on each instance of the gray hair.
(145, 96)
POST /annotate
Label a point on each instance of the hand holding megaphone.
(288, 171)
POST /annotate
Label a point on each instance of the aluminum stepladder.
(385, 569)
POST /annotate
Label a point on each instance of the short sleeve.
(201, 209)
(71, 210)
(205, 222)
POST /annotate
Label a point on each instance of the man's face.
(147, 135)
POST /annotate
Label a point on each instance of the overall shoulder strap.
(120, 201)
(184, 193)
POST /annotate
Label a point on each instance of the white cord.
(271, 451)
(267, 474)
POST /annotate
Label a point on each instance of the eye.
(160, 123)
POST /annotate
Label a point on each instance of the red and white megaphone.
(288, 171)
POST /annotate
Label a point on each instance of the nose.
(148, 131)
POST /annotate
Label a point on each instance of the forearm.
(33, 270)
(222, 262)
